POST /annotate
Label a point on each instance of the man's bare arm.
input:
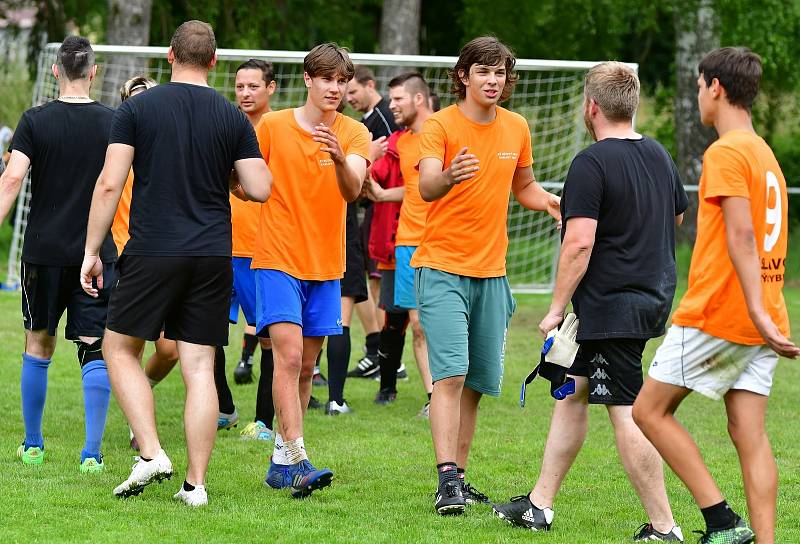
(434, 182)
(11, 181)
(253, 180)
(742, 249)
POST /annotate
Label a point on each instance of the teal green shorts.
(465, 321)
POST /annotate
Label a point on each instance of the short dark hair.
(75, 58)
(194, 44)
(257, 64)
(488, 51)
(436, 102)
(413, 82)
(737, 69)
(363, 75)
(328, 59)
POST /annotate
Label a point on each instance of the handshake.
(558, 354)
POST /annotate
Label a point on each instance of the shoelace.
(475, 493)
(451, 488)
(519, 498)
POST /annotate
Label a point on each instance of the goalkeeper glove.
(558, 354)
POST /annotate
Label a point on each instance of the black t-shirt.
(66, 144)
(632, 189)
(380, 121)
(186, 139)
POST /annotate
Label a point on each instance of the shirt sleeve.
(248, 143)
(262, 135)
(724, 174)
(583, 189)
(681, 198)
(525, 153)
(432, 141)
(23, 137)
(123, 125)
(358, 143)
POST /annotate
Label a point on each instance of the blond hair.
(134, 84)
(614, 86)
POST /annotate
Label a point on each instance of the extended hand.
(329, 141)
(462, 167)
(774, 339)
(377, 148)
(92, 267)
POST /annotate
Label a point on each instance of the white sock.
(295, 451)
(279, 451)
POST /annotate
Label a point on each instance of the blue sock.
(34, 392)
(96, 394)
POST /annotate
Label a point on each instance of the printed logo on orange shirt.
(326, 162)
(507, 155)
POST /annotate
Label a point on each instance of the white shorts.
(711, 366)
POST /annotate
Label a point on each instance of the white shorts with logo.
(712, 366)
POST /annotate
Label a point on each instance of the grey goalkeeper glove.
(560, 346)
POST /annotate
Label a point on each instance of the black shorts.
(614, 369)
(47, 291)
(188, 296)
(370, 265)
(387, 293)
(354, 282)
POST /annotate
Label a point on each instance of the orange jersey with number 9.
(738, 164)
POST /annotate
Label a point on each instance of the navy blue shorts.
(315, 306)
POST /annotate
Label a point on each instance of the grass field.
(382, 459)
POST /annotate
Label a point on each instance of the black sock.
(390, 354)
(265, 408)
(338, 357)
(249, 343)
(461, 473)
(719, 517)
(187, 486)
(224, 395)
(448, 472)
(145, 459)
(372, 341)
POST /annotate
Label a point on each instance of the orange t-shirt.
(738, 164)
(414, 209)
(119, 228)
(465, 231)
(244, 226)
(302, 226)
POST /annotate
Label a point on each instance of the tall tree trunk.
(128, 24)
(400, 22)
(695, 35)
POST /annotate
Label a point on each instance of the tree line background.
(667, 38)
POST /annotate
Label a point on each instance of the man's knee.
(40, 344)
(89, 349)
(747, 435)
(453, 384)
(289, 359)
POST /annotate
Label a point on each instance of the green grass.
(382, 457)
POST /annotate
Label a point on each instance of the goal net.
(548, 94)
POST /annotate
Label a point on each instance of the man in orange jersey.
(473, 154)
(255, 83)
(732, 321)
(319, 159)
(409, 102)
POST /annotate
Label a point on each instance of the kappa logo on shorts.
(601, 390)
(600, 374)
(338, 322)
(599, 359)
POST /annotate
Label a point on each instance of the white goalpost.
(548, 94)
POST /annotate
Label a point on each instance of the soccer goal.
(548, 94)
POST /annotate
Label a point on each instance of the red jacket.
(386, 215)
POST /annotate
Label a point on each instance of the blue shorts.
(404, 295)
(244, 291)
(316, 306)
